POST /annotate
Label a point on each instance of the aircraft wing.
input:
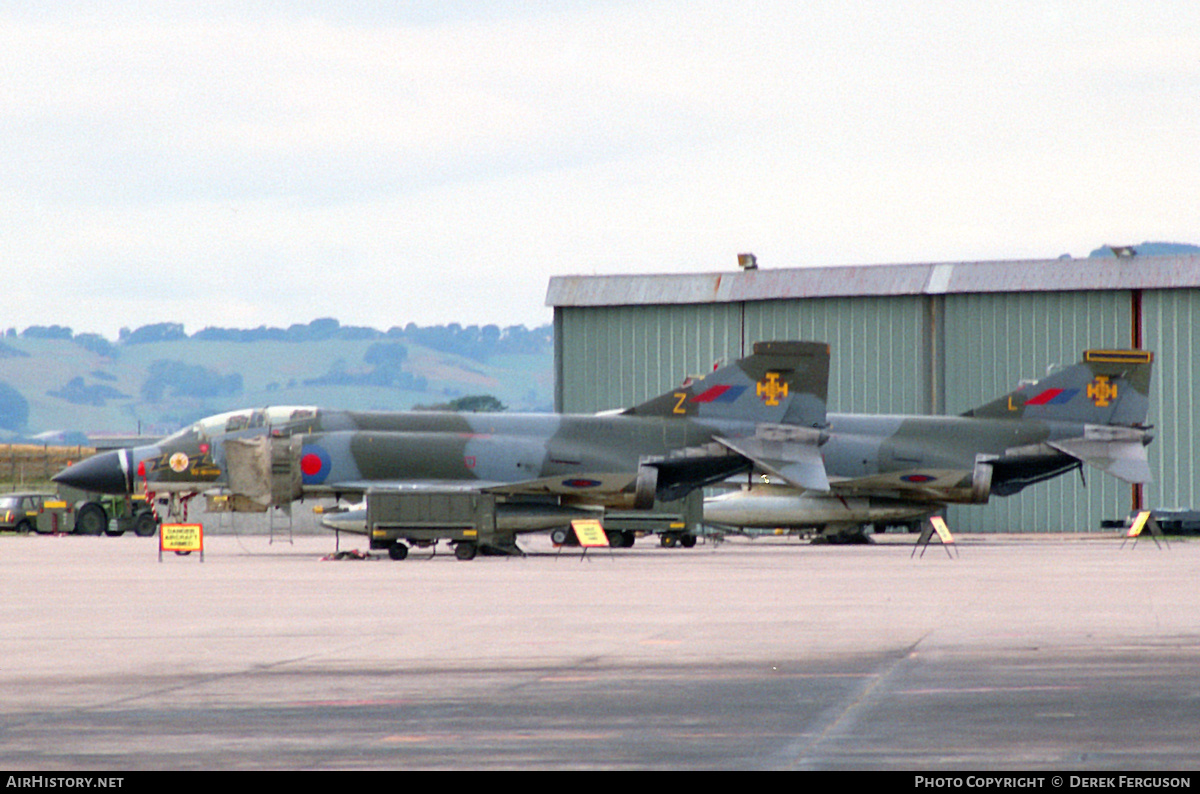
(1119, 451)
(918, 485)
(789, 452)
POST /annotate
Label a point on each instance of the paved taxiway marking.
(839, 722)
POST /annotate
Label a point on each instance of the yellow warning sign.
(943, 531)
(181, 537)
(1139, 523)
(590, 533)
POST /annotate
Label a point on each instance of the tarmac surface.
(1023, 653)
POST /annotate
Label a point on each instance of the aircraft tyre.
(465, 550)
(560, 536)
(90, 519)
(397, 551)
(145, 525)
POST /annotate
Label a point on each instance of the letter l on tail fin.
(1108, 387)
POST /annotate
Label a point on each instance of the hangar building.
(920, 338)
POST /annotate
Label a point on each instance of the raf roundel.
(581, 482)
(314, 465)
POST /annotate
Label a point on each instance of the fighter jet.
(901, 469)
(539, 469)
(764, 414)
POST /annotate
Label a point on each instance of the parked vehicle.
(115, 515)
(35, 512)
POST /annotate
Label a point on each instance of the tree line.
(471, 341)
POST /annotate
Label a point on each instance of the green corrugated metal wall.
(619, 356)
(614, 357)
(1171, 328)
(992, 342)
(876, 347)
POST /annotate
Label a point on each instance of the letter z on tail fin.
(781, 383)
(1108, 387)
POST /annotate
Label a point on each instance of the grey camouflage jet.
(902, 469)
(764, 413)
(541, 468)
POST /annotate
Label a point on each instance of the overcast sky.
(267, 163)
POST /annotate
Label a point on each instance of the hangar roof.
(1037, 275)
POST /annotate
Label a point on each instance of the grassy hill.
(158, 386)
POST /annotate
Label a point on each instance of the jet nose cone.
(101, 473)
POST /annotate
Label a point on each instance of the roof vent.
(1122, 251)
(747, 262)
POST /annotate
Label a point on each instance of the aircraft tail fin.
(780, 383)
(1108, 387)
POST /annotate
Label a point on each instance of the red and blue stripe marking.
(1052, 397)
(723, 393)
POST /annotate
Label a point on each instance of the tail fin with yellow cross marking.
(1108, 387)
(781, 383)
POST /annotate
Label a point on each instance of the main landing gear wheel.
(397, 551)
(465, 550)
